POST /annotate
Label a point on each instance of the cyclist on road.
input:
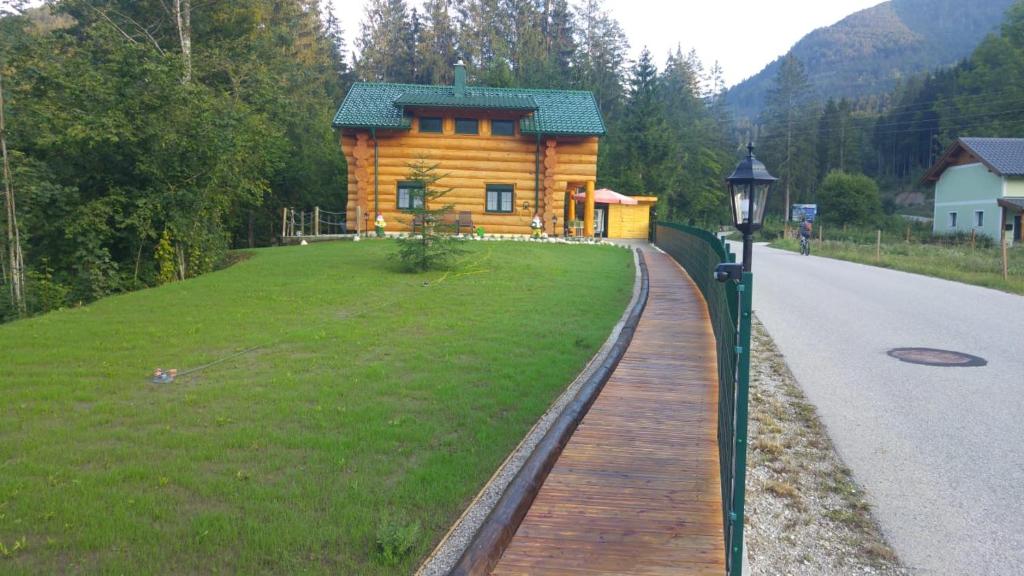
(806, 227)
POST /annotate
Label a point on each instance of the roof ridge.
(475, 87)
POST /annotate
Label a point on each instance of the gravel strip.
(805, 514)
(451, 547)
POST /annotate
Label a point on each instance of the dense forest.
(146, 138)
(867, 53)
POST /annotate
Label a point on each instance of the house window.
(410, 195)
(503, 127)
(467, 126)
(979, 218)
(500, 198)
(952, 219)
(430, 124)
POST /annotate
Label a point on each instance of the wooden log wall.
(469, 163)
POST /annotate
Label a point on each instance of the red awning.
(606, 196)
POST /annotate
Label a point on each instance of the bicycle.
(805, 245)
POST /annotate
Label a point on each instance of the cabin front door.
(601, 220)
(1016, 229)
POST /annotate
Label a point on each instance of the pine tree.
(436, 48)
(386, 43)
(559, 33)
(788, 140)
(601, 57)
(481, 41)
(434, 247)
(643, 157)
(335, 37)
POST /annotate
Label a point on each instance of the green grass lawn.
(979, 266)
(375, 405)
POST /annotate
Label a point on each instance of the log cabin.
(507, 154)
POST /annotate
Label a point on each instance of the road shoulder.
(805, 514)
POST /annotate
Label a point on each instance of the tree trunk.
(183, 17)
(16, 261)
(789, 173)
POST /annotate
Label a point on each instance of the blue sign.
(801, 212)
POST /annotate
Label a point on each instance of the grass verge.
(978, 266)
(353, 412)
(806, 516)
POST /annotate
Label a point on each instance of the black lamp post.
(748, 192)
(366, 224)
(554, 224)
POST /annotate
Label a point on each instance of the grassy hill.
(867, 52)
(343, 404)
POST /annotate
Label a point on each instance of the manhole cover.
(933, 357)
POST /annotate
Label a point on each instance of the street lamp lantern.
(748, 193)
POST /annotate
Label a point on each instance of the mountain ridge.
(867, 52)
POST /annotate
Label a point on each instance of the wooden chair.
(449, 223)
(417, 222)
(465, 219)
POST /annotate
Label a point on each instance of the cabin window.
(952, 219)
(430, 124)
(979, 218)
(503, 127)
(410, 195)
(467, 126)
(500, 198)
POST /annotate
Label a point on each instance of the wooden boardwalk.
(636, 490)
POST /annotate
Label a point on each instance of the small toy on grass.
(161, 376)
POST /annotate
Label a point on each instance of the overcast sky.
(742, 35)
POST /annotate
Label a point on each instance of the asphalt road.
(939, 450)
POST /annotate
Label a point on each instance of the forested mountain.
(803, 140)
(866, 53)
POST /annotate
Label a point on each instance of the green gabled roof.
(489, 102)
(555, 112)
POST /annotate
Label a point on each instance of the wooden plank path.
(636, 490)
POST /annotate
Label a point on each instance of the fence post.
(878, 248)
(284, 222)
(316, 221)
(1006, 263)
(736, 516)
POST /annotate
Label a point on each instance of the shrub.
(395, 539)
(849, 199)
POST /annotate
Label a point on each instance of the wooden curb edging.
(497, 530)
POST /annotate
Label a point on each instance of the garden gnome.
(536, 225)
(379, 224)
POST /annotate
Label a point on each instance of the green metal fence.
(729, 305)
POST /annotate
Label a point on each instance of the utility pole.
(15, 259)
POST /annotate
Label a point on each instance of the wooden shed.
(620, 216)
(508, 153)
